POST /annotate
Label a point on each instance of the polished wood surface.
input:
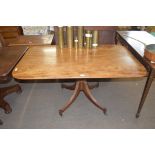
(108, 61)
(9, 56)
(138, 40)
(30, 40)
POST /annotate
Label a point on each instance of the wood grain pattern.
(30, 40)
(9, 56)
(48, 62)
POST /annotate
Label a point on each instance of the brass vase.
(60, 37)
(80, 36)
(69, 36)
(88, 38)
(95, 39)
(76, 42)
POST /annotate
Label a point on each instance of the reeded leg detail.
(81, 86)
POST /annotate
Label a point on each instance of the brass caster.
(61, 113)
(105, 111)
(137, 115)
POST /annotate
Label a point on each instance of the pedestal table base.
(79, 86)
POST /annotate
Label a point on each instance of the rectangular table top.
(138, 40)
(49, 62)
(30, 40)
(9, 57)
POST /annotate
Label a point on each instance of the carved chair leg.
(72, 99)
(89, 95)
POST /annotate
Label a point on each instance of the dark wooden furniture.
(9, 57)
(108, 61)
(135, 41)
(11, 31)
(30, 40)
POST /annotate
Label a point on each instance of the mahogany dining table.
(80, 65)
